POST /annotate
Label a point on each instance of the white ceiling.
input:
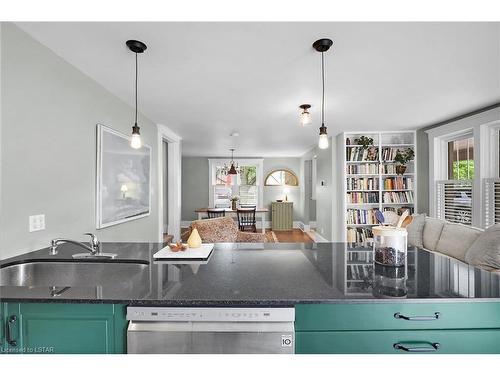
(206, 80)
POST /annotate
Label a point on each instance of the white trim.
(174, 182)
(100, 128)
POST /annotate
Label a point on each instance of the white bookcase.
(370, 181)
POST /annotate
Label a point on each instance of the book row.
(360, 216)
(398, 197)
(398, 183)
(358, 197)
(369, 183)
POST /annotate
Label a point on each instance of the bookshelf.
(369, 181)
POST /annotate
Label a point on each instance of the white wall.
(48, 148)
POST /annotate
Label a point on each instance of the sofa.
(477, 247)
(224, 229)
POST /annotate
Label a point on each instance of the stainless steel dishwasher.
(210, 330)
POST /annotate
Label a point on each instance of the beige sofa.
(224, 229)
(471, 245)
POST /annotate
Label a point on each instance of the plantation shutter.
(492, 201)
(454, 201)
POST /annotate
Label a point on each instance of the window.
(281, 177)
(461, 159)
(248, 185)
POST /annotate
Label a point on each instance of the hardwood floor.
(290, 236)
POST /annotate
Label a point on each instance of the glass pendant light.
(136, 47)
(305, 116)
(323, 45)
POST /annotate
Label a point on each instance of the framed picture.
(123, 179)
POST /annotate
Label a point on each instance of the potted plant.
(234, 199)
(402, 158)
(365, 142)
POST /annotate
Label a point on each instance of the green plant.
(403, 157)
(365, 141)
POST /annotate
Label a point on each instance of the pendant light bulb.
(135, 140)
(323, 141)
(323, 45)
(136, 47)
(323, 138)
(305, 115)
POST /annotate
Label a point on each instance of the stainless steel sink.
(73, 274)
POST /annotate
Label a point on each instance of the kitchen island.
(343, 302)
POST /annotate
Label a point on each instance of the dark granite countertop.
(261, 275)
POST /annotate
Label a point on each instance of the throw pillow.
(485, 251)
(432, 231)
(456, 239)
(415, 230)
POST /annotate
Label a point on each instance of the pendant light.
(232, 168)
(323, 45)
(305, 116)
(136, 47)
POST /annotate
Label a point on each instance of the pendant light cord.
(136, 88)
(323, 93)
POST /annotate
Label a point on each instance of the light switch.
(37, 222)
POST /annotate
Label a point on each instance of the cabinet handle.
(10, 322)
(429, 347)
(417, 318)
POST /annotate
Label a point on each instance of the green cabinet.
(392, 342)
(456, 327)
(282, 215)
(64, 328)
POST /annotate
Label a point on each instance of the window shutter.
(491, 201)
(454, 201)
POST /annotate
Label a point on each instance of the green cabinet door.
(481, 341)
(67, 328)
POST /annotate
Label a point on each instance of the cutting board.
(201, 253)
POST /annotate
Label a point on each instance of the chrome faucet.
(94, 250)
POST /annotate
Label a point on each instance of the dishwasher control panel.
(211, 314)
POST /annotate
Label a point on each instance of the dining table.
(260, 214)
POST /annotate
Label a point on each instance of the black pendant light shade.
(136, 47)
(323, 45)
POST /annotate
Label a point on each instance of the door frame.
(174, 159)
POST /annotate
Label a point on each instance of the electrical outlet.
(37, 222)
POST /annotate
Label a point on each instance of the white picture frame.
(123, 179)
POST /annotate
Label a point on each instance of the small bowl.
(279, 200)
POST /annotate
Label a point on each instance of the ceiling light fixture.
(323, 45)
(136, 47)
(305, 116)
(232, 168)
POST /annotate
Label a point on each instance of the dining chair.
(246, 219)
(216, 212)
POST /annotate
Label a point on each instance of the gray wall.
(422, 172)
(271, 193)
(195, 185)
(48, 147)
(326, 199)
